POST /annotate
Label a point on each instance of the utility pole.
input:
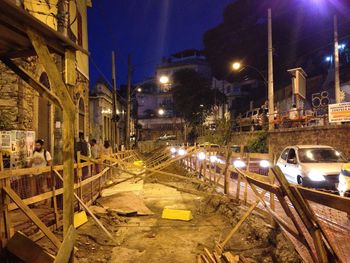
(270, 71)
(115, 137)
(128, 106)
(336, 62)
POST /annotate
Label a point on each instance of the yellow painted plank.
(177, 214)
(80, 219)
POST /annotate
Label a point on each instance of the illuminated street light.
(236, 66)
(164, 79)
(201, 156)
(161, 112)
(139, 89)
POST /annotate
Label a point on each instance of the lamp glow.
(236, 66)
(161, 112)
(164, 79)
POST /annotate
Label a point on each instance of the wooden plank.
(33, 217)
(209, 255)
(230, 258)
(334, 201)
(27, 250)
(217, 257)
(86, 208)
(65, 251)
(239, 224)
(321, 249)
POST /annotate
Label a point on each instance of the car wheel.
(300, 180)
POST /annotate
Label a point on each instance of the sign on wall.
(339, 112)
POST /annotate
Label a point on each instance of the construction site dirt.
(150, 238)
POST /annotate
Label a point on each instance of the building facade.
(102, 126)
(155, 103)
(22, 108)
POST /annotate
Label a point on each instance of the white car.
(314, 166)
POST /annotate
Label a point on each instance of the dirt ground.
(153, 239)
(149, 238)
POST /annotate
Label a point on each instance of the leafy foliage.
(259, 144)
(193, 96)
(219, 136)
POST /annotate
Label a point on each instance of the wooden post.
(69, 110)
(80, 176)
(226, 172)
(5, 222)
(238, 186)
(54, 198)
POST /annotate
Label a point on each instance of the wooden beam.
(28, 78)
(30, 214)
(239, 224)
(86, 208)
(67, 246)
(331, 200)
(69, 111)
(52, 71)
(27, 250)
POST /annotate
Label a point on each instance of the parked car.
(253, 118)
(166, 137)
(314, 166)
(208, 145)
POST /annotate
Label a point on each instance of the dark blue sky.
(148, 30)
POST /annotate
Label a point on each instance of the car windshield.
(320, 155)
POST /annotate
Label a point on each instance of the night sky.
(148, 30)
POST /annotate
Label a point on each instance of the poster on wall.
(339, 112)
(5, 140)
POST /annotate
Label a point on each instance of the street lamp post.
(269, 83)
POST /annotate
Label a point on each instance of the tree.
(193, 96)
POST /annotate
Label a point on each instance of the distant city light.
(341, 46)
(201, 105)
(328, 58)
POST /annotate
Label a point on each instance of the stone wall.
(337, 136)
(16, 101)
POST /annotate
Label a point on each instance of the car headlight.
(239, 164)
(213, 158)
(264, 164)
(173, 150)
(316, 176)
(182, 152)
(201, 156)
